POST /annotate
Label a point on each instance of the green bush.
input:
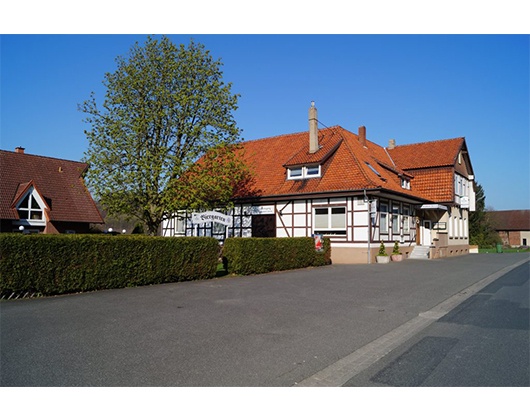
(55, 264)
(262, 255)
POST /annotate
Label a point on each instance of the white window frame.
(406, 220)
(396, 220)
(33, 197)
(295, 173)
(383, 215)
(303, 172)
(311, 167)
(330, 228)
(405, 183)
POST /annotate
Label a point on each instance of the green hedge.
(55, 264)
(262, 255)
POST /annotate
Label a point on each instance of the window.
(330, 220)
(395, 219)
(383, 224)
(406, 220)
(294, 173)
(312, 171)
(301, 172)
(31, 209)
(373, 169)
(405, 183)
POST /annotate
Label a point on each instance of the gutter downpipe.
(367, 201)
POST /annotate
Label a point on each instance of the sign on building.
(211, 216)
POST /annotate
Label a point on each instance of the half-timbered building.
(339, 184)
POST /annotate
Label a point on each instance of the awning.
(433, 207)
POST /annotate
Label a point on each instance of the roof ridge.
(42, 157)
(287, 135)
(428, 142)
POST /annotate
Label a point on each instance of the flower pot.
(397, 257)
(382, 259)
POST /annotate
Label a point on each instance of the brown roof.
(58, 181)
(510, 219)
(348, 165)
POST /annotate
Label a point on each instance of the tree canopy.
(481, 230)
(165, 107)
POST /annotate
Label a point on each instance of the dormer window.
(405, 183)
(31, 208)
(294, 173)
(302, 172)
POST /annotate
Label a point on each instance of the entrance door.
(426, 233)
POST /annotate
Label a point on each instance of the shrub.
(55, 264)
(382, 250)
(261, 255)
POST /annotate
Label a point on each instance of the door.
(426, 233)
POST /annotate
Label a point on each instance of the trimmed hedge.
(55, 264)
(262, 255)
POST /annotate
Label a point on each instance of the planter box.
(382, 259)
(397, 257)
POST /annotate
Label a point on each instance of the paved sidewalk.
(267, 330)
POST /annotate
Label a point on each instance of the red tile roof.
(58, 181)
(428, 154)
(346, 165)
(518, 220)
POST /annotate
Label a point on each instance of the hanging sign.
(211, 216)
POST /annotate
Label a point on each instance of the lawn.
(504, 250)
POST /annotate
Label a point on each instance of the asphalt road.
(277, 329)
(483, 342)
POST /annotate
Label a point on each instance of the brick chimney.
(391, 144)
(362, 135)
(19, 149)
(313, 129)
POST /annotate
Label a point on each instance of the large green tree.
(481, 229)
(165, 107)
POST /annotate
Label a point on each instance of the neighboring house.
(341, 185)
(44, 195)
(513, 226)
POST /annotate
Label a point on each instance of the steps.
(420, 252)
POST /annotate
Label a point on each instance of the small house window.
(405, 183)
(383, 224)
(330, 220)
(302, 172)
(395, 219)
(406, 220)
(295, 173)
(31, 209)
(312, 171)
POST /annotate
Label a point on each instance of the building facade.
(341, 185)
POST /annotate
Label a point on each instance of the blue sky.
(411, 88)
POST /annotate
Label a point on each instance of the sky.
(411, 88)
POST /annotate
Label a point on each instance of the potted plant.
(396, 255)
(382, 257)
